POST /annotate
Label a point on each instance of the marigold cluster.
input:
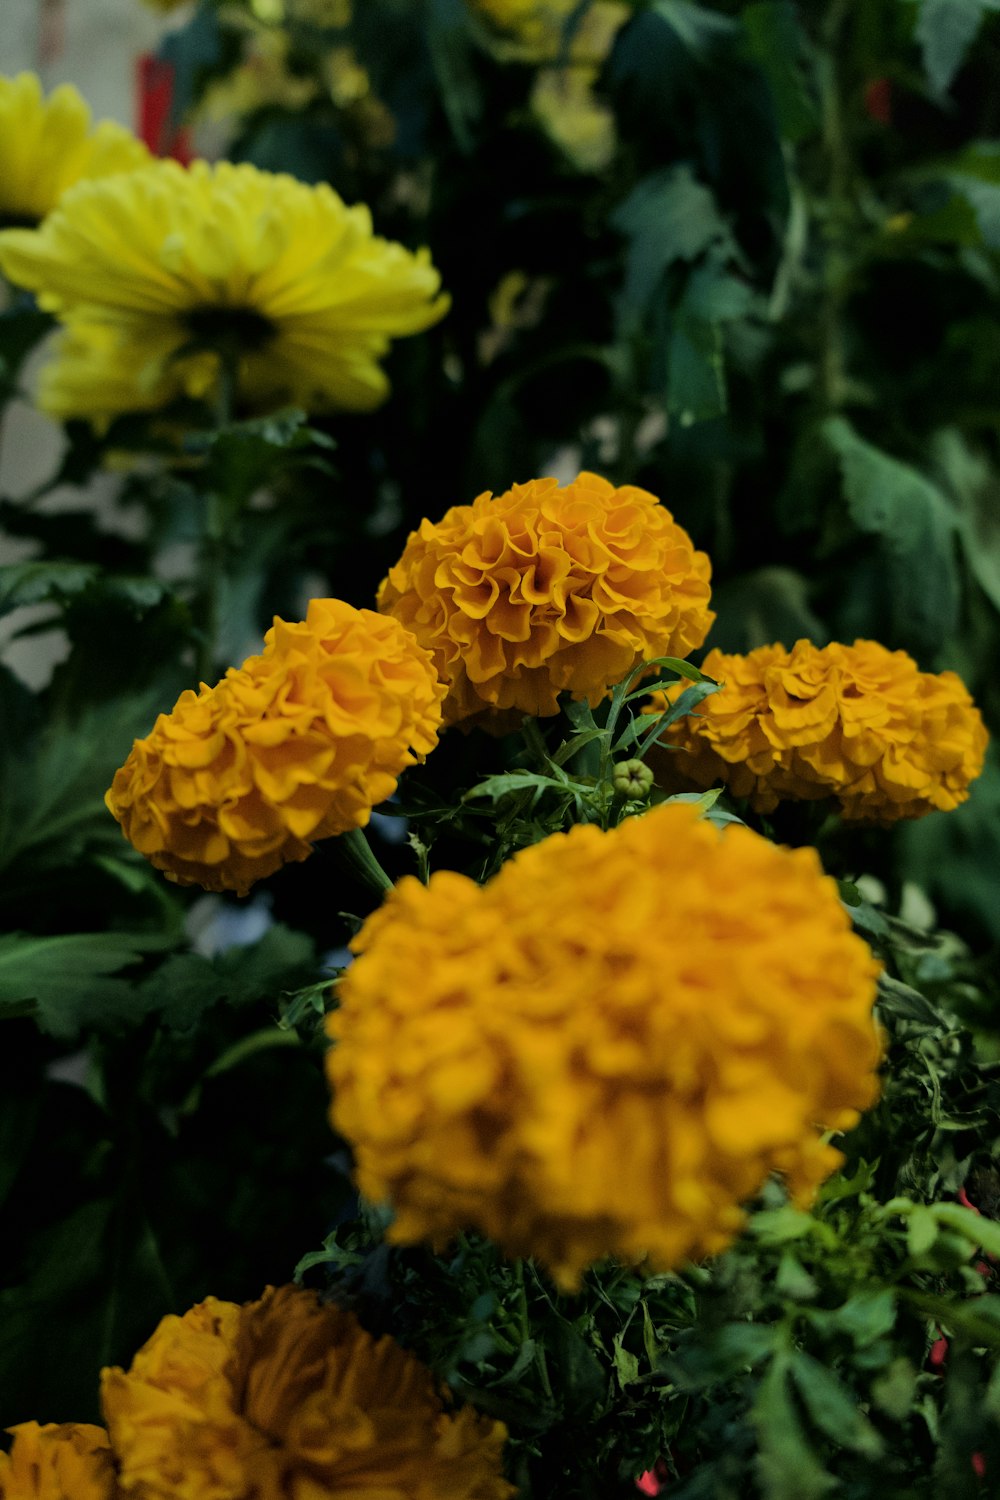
(298, 744)
(158, 271)
(606, 1049)
(280, 1397)
(46, 145)
(859, 724)
(547, 589)
(287, 1397)
(64, 1461)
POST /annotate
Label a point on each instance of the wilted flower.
(606, 1049)
(543, 590)
(46, 145)
(285, 1396)
(185, 265)
(859, 724)
(60, 1461)
(298, 744)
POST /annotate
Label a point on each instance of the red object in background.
(878, 101)
(654, 1481)
(154, 97)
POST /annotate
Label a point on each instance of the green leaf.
(626, 1363)
(921, 1230)
(976, 1228)
(975, 487)
(698, 28)
(916, 528)
(668, 217)
(777, 45)
(712, 1357)
(903, 1000)
(865, 1317)
(946, 30)
(63, 980)
(448, 40)
(37, 582)
(833, 1408)
(786, 1462)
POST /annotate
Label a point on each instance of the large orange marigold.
(606, 1049)
(544, 590)
(60, 1461)
(287, 1397)
(298, 744)
(860, 724)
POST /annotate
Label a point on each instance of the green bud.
(632, 779)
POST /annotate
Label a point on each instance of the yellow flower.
(544, 590)
(287, 1397)
(284, 275)
(298, 744)
(860, 724)
(48, 144)
(606, 1049)
(71, 1461)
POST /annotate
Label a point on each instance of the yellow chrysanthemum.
(286, 1397)
(859, 724)
(298, 744)
(67, 1461)
(46, 145)
(606, 1049)
(286, 276)
(544, 590)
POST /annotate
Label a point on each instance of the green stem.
(840, 210)
(214, 540)
(354, 851)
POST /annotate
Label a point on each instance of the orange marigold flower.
(298, 744)
(286, 1396)
(606, 1049)
(860, 724)
(544, 590)
(67, 1461)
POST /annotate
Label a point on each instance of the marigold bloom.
(67, 1461)
(860, 724)
(606, 1049)
(171, 259)
(287, 1397)
(297, 744)
(46, 145)
(542, 590)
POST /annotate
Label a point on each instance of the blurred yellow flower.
(48, 144)
(859, 724)
(178, 263)
(68, 1461)
(606, 1049)
(544, 589)
(287, 1397)
(298, 744)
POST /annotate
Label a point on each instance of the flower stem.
(355, 852)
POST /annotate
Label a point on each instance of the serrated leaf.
(833, 1408)
(917, 530)
(625, 1362)
(669, 216)
(786, 1461)
(64, 981)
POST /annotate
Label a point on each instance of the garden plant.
(500, 871)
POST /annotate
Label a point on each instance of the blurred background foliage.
(746, 255)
